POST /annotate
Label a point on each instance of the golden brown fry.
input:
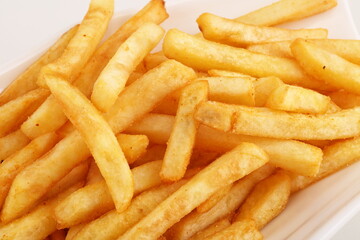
(204, 55)
(154, 12)
(263, 89)
(326, 66)
(256, 122)
(195, 221)
(214, 199)
(297, 99)
(244, 230)
(13, 113)
(11, 166)
(153, 153)
(48, 170)
(114, 76)
(113, 224)
(11, 143)
(286, 11)
(133, 146)
(96, 199)
(182, 137)
(238, 34)
(26, 81)
(227, 169)
(277, 49)
(336, 156)
(99, 138)
(344, 99)
(267, 200)
(212, 229)
(36, 225)
(82, 45)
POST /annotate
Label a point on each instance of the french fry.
(277, 49)
(223, 73)
(73, 231)
(154, 12)
(238, 34)
(263, 89)
(133, 146)
(297, 99)
(48, 170)
(26, 81)
(11, 143)
(196, 221)
(82, 45)
(204, 55)
(11, 166)
(233, 90)
(99, 138)
(154, 59)
(13, 113)
(251, 121)
(77, 174)
(153, 153)
(158, 127)
(113, 78)
(36, 225)
(212, 229)
(214, 199)
(96, 199)
(336, 156)
(244, 229)
(344, 99)
(326, 66)
(267, 200)
(112, 224)
(58, 235)
(230, 167)
(286, 11)
(182, 137)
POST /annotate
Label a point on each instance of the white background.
(25, 26)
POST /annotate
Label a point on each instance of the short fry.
(238, 34)
(114, 76)
(230, 167)
(182, 137)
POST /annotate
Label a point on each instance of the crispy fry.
(336, 157)
(96, 199)
(36, 225)
(251, 121)
(11, 143)
(13, 113)
(195, 221)
(263, 89)
(230, 167)
(326, 66)
(297, 99)
(48, 170)
(204, 55)
(154, 153)
(238, 34)
(154, 12)
(99, 138)
(26, 81)
(344, 99)
(298, 157)
(11, 166)
(133, 146)
(82, 45)
(212, 229)
(182, 137)
(286, 11)
(267, 200)
(244, 229)
(214, 199)
(113, 78)
(113, 224)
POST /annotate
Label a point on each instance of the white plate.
(314, 213)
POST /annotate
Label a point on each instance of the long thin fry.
(26, 81)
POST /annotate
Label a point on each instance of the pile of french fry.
(206, 139)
